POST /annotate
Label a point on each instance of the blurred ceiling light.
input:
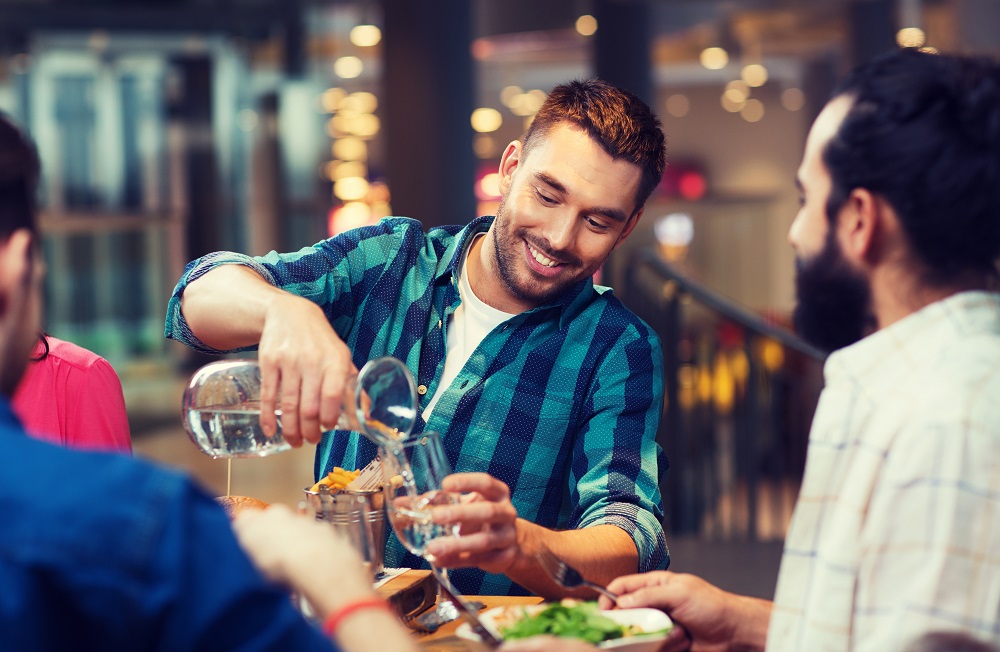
(731, 105)
(911, 37)
(753, 110)
(483, 145)
(489, 186)
(536, 98)
(754, 74)
(246, 119)
(678, 105)
(737, 91)
(674, 229)
(350, 188)
(586, 25)
(348, 67)
(485, 120)
(714, 58)
(365, 35)
(350, 149)
(508, 94)
(929, 49)
(521, 105)
(349, 216)
(361, 101)
(364, 125)
(793, 99)
(337, 170)
(330, 100)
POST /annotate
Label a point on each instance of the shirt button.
(421, 389)
(440, 323)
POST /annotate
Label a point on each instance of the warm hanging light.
(365, 36)
(714, 58)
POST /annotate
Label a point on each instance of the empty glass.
(221, 407)
(413, 471)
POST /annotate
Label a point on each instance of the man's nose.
(561, 232)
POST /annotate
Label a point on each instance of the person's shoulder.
(73, 354)
(86, 505)
(610, 313)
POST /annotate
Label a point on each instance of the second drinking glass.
(413, 470)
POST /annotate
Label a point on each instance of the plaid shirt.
(897, 527)
(561, 402)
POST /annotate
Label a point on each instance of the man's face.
(833, 299)
(565, 206)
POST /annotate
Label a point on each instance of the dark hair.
(617, 120)
(19, 170)
(924, 134)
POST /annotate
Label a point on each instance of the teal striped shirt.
(561, 402)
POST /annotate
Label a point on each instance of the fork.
(567, 576)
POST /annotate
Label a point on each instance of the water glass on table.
(413, 470)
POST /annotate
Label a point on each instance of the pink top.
(74, 398)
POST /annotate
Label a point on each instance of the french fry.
(336, 479)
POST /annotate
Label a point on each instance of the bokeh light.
(365, 35)
(348, 67)
(714, 58)
(586, 25)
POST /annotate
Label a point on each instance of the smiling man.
(546, 390)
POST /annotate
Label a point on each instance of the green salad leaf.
(582, 620)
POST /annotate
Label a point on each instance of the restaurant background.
(171, 128)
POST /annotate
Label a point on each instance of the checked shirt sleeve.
(616, 461)
(176, 326)
(332, 274)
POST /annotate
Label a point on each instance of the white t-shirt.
(467, 327)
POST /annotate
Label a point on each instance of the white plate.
(650, 620)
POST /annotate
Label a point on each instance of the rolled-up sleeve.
(617, 463)
(176, 327)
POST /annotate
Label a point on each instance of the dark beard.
(833, 308)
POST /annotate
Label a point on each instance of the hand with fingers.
(306, 370)
(706, 618)
(487, 520)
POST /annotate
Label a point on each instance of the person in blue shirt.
(547, 391)
(105, 552)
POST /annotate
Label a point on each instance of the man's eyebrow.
(550, 181)
(614, 214)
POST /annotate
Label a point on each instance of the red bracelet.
(337, 616)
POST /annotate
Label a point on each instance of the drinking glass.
(221, 407)
(413, 470)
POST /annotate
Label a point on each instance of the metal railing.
(740, 392)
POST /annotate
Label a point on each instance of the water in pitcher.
(234, 431)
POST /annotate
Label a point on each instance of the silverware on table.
(489, 636)
(567, 576)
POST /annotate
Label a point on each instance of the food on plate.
(568, 619)
(236, 504)
(336, 479)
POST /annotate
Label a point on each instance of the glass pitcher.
(221, 407)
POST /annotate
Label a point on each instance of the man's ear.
(508, 164)
(858, 226)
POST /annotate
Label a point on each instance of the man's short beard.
(833, 308)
